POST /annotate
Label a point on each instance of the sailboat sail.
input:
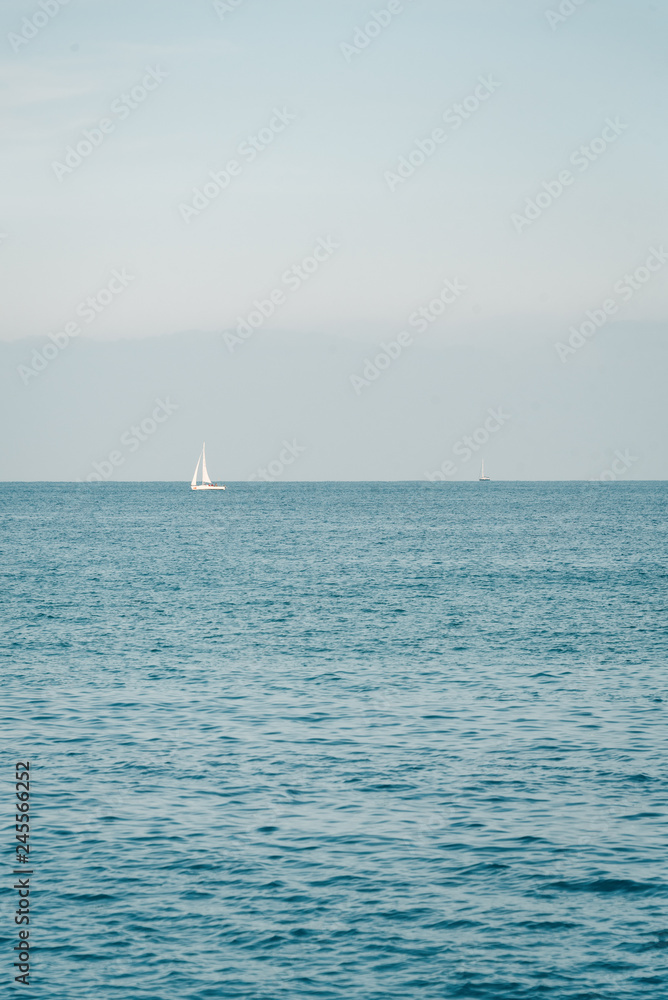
(194, 479)
(205, 474)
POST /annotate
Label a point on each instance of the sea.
(358, 741)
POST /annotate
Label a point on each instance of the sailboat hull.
(205, 487)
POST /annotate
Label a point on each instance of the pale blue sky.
(323, 176)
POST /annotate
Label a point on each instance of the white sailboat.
(206, 483)
(483, 478)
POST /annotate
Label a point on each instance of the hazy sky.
(514, 151)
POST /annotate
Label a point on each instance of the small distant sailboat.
(206, 483)
(483, 478)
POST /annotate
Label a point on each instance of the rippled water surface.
(361, 741)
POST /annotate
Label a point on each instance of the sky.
(470, 193)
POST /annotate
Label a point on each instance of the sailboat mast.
(205, 473)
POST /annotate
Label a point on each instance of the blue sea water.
(342, 740)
